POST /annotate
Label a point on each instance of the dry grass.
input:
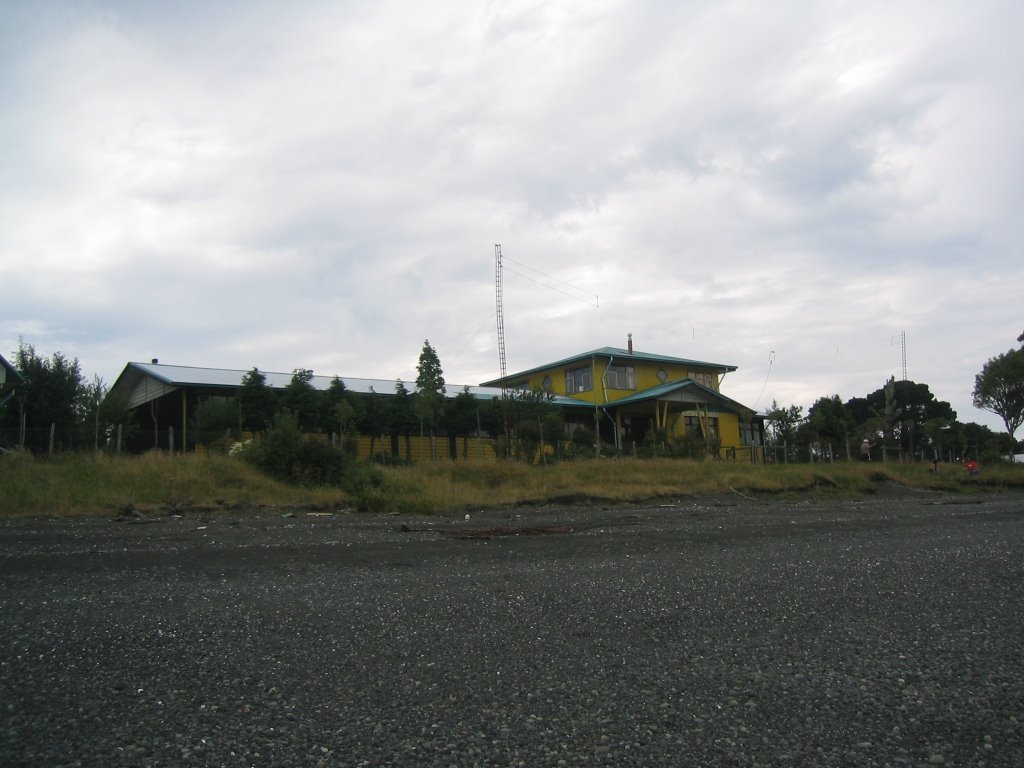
(102, 484)
(87, 484)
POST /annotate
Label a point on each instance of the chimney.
(629, 343)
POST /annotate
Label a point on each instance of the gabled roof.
(616, 355)
(8, 374)
(9, 379)
(147, 381)
(684, 390)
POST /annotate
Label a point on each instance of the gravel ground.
(697, 632)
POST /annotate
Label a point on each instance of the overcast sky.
(782, 186)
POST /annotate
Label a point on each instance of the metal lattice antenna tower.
(903, 343)
(500, 313)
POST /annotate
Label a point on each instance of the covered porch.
(674, 410)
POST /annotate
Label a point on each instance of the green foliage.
(429, 376)
(782, 426)
(372, 416)
(691, 446)
(53, 392)
(829, 424)
(461, 417)
(402, 418)
(216, 421)
(905, 414)
(537, 422)
(429, 386)
(302, 400)
(999, 388)
(337, 410)
(257, 402)
(582, 441)
(285, 453)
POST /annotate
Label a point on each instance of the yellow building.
(631, 399)
(628, 399)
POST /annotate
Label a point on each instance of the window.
(578, 380)
(693, 426)
(621, 377)
(707, 379)
(750, 434)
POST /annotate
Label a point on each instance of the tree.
(782, 425)
(537, 422)
(461, 418)
(336, 408)
(53, 394)
(403, 415)
(905, 413)
(100, 414)
(829, 422)
(215, 420)
(999, 388)
(257, 402)
(429, 390)
(301, 398)
(372, 418)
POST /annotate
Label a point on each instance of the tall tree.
(301, 398)
(429, 390)
(257, 402)
(905, 412)
(372, 418)
(100, 414)
(403, 415)
(782, 425)
(52, 394)
(336, 408)
(999, 388)
(215, 421)
(461, 417)
(829, 422)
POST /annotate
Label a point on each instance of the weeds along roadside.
(90, 484)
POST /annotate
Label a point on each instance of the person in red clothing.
(971, 465)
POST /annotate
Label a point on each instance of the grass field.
(100, 484)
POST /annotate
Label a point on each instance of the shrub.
(284, 453)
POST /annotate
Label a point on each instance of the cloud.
(322, 186)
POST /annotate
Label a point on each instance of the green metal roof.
(660, 391)
(616, 354)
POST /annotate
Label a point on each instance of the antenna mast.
(500, 313)
(903, 344)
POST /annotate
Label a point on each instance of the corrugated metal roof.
(166, 378)
(617, 354)
(668, 388)
(189, 376)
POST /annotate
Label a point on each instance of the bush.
(692, 446)
(284, 453)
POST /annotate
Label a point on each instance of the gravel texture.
(703, 631)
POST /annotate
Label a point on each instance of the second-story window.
(578, 380)
(621, 377)
(707, 379)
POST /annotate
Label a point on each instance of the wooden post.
(119, 426)
(170, 440)
(53, 430)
